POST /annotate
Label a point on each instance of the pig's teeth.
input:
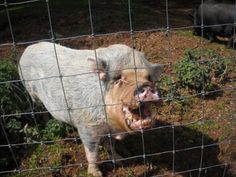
(129, 122)
(138, 122)
(125, 109)
(130, 117)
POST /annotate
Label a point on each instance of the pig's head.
(129, 94)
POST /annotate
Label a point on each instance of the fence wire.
(144, 157)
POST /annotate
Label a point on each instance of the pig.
(100, 92)
(218, 20)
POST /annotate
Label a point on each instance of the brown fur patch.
(121, 92)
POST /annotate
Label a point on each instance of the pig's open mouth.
(140, 117)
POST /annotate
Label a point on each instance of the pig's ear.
(156, 70)
(99, 66)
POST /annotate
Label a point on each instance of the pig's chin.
(138, 117)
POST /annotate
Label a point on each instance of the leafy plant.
(191, 74)
(12, 97)
(55, 129)
(17, 127)
(200, 69)
(167, 87)
(172, 95)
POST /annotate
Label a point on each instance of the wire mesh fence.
(194, 131)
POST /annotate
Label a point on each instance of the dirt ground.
(216, 130)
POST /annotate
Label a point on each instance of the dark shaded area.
(232, 153)
(30, 21)
(159, 145)
(71, 18)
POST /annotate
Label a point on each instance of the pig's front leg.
(91, 154)
(91, 143)
(113, 155)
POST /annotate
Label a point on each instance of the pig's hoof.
(94, 171)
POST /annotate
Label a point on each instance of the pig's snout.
(146, 92)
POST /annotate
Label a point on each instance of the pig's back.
(77, 89)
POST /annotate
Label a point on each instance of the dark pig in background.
(218, 20)
(110, 91)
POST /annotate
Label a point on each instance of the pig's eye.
(149, 78)
(117, 77)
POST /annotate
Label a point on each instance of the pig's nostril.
(152, 90)
(142, 90)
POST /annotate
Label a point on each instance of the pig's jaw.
(139, 117)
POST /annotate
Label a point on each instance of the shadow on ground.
(30, 21)
(158, 144)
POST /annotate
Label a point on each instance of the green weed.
(201, 70)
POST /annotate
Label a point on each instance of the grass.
(186, 33)
(53, 156)
(130, 173)
(219, 106)
(214, 128)
(49, 155)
